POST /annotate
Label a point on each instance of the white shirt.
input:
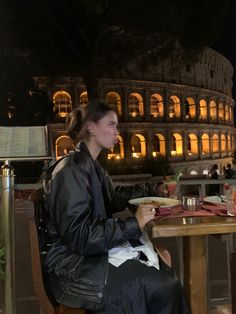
(122, 253)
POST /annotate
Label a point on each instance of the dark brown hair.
(76, 120)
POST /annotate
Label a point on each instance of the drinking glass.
(230, 207)
(172, 189)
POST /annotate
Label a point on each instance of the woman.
(97, 262)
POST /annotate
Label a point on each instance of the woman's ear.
(91, 127)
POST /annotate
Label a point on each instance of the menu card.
(20, 142)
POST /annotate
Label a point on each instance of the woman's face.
(105, 130)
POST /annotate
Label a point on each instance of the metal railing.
(185, 186)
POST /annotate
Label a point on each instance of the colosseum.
(182, 112)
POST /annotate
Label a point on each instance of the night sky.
(226, 43)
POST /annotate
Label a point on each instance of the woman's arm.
(70, 204)
(120, 195)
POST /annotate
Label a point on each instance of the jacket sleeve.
(120, 195)
(70, 205)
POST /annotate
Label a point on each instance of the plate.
(164, 202)
(216, 200)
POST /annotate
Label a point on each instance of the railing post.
(8, 238)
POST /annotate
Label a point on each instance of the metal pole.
(8, 237)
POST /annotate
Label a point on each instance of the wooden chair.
(46, 302)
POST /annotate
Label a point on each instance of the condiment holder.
(191, 202)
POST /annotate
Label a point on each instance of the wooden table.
(194, 231)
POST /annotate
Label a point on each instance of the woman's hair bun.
(74, 123)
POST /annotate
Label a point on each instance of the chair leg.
(70, 310)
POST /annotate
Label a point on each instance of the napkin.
(220, 210)
(179, 212)
(164, 211)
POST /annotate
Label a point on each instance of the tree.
(91, 38)
(21, 103)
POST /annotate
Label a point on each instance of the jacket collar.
(82, 147)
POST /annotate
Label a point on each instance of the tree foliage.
(21, 103)
(91, 38)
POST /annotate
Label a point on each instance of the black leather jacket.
(81, 200)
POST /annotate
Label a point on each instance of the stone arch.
(138, 146)
(83, 99)
(135, 105)
(114, 99)
(205, 144)
(226, 112)
(174, 107)
(223, 142)
(229, 142)
(190, 108)
(202, 109)
(230, 113)
(213, 111)
(192, 144)
(63, 145)
(176, 145)
(62, 103)
(159, 145)
(117, 152)
(156, 106)
(221, 111)
(215, 143)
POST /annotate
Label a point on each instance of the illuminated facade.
(181, 112)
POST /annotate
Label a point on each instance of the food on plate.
(154, 203)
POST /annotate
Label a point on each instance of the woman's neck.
(93, 149)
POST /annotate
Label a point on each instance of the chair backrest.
(45, 303)
(38, 247)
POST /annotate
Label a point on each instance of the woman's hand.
(144, 214)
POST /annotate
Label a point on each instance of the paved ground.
(26, 302)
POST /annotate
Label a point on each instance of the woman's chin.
(110, 146)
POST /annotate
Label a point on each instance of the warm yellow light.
(113, 156)
(154, 154)
(62, 114)
(155, 115)
(173, 152)
(133, 114)
(135, 155)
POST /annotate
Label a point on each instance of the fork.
(221, 198)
